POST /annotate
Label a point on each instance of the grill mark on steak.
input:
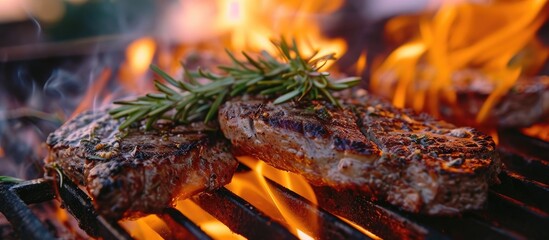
(306, 137)
(448, 168)
(136, 172)
(410, 160)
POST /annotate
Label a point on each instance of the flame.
(63, 221)
(250, 25)
(253, 187)
(93, 92)
(253, 23)
(495, 136)
(2, 153)
(489, 37)
(207, 222)
(139, 55)
(361, 63)
(540, 131)
(361, 229)
(144, 228)
(303, 236)
(61, 215)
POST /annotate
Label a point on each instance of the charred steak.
(134, 172)
(409, 160)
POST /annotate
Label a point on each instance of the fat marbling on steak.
(410, 160)
(134, 172)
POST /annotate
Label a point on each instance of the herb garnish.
(8, 179)
(289, 75)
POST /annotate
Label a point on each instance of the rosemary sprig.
(8, 179)
(289, 75)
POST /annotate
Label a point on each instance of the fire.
(253, 187)
(144, 228)
(540, 131)
(139, 55)
(361, 229)
(94, 92)
(240, 25)
(253, 23)
(205, 221)
(489, 37)
(361, 63)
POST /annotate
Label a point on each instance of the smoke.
(46, 85)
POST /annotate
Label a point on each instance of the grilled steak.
(473, 88)
(134, 172)
(409, 160)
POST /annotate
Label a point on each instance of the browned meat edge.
(136, 172)
(409, 160)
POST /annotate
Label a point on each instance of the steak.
(473, 89)
(134, 172)
(395, 155)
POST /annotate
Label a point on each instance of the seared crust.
(137, 172)
(409, 160)
(432, 166)
(306, 138)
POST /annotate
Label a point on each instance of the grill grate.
(518, 208)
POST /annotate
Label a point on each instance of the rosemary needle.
(287, 76)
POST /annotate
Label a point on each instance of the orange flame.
(207, 222)
(540, 131)
(488, 37)
(287, 18)
(93, 92)
(250, 25)
(253, 187)
(253, 23)
(361, 229)
(361, 63)
(144, 228)
(139, 55)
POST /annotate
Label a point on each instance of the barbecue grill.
(516, 209)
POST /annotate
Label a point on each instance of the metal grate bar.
(327, 225)
(388, 222)
(182, 227)
(460, 227)
(534, 168)
(26, 224)
(80, 206)
(35, 191)
(501, 233)
(530, 192)
(465, 226)
(240, 216)
(516, 141)
(380, 220)
(508, 213)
